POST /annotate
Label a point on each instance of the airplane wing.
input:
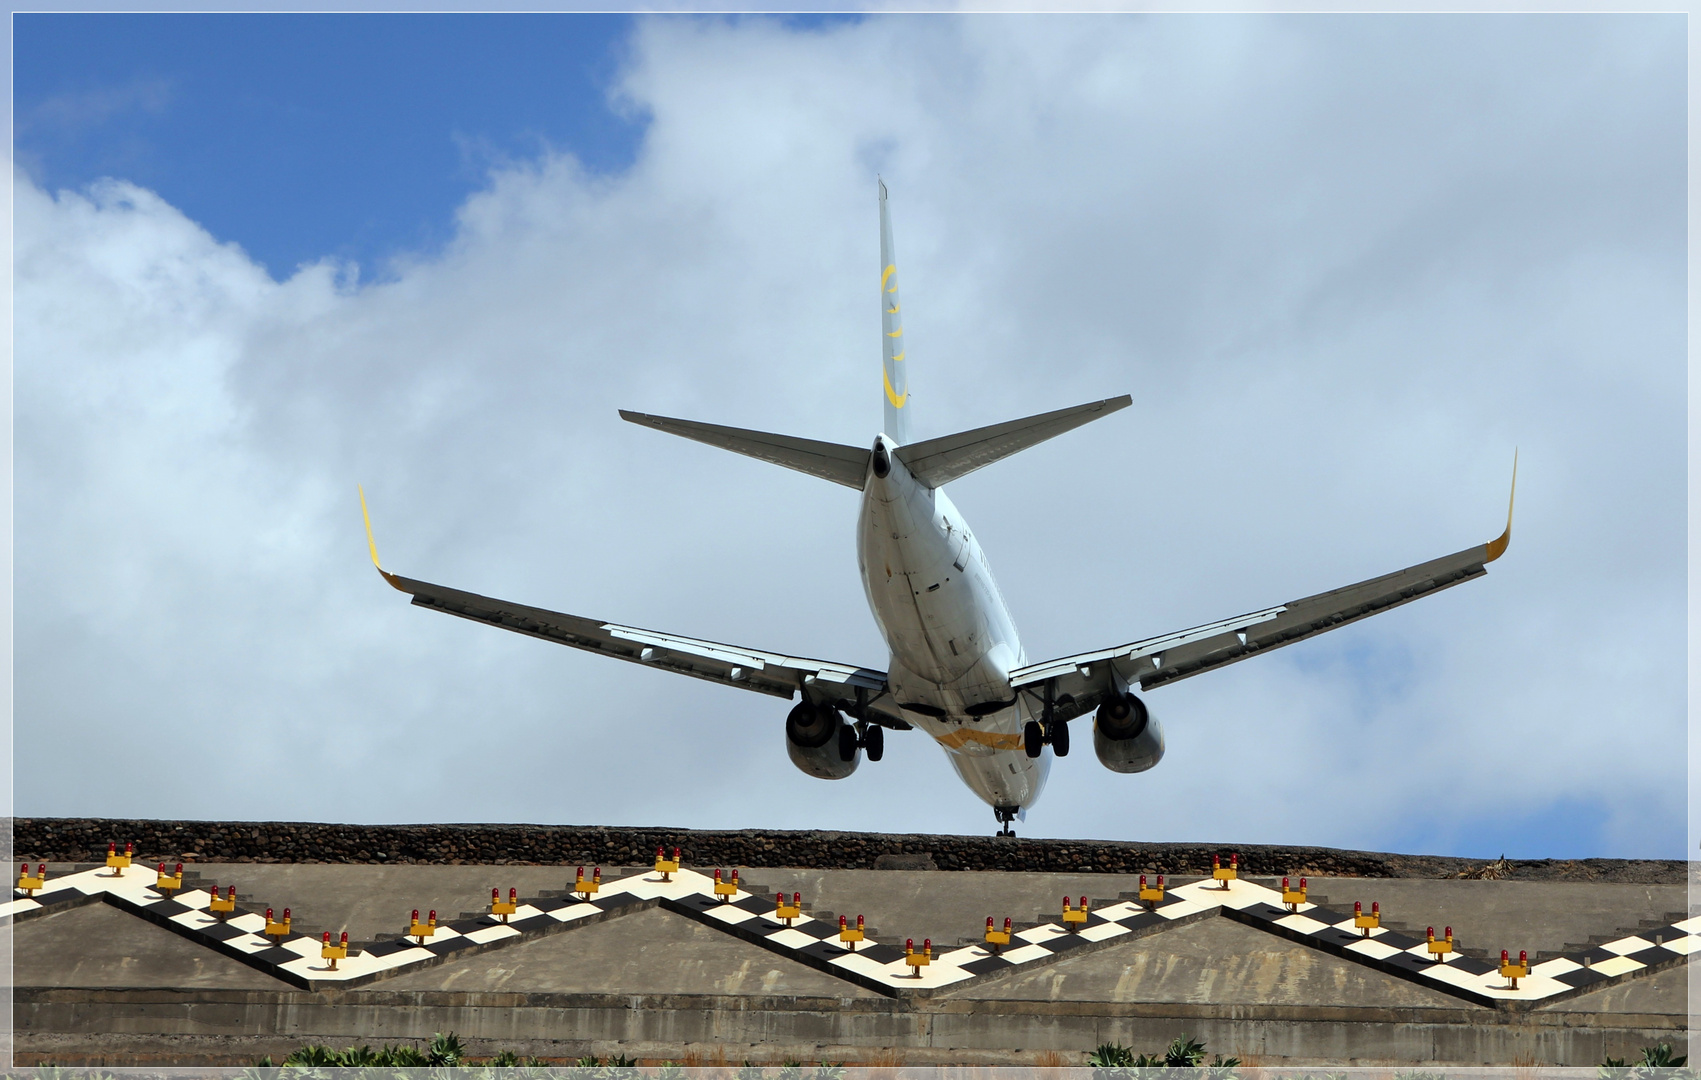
(858, 690)
(1077, 684)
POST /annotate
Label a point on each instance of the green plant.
(445, 1050)
(1113, 1059)
(1658, 1056)
(1111, 1056)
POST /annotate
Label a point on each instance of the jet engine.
(1126, 736)
(812, 741)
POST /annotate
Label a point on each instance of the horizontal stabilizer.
(847, 465)
(937, 462)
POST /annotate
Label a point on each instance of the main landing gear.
(1047, 730)
(1005, 815)
(870, 737)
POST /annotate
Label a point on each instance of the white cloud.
(1344, 265)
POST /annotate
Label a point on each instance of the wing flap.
(1083, 680)
(1087, 678)
(861, 691)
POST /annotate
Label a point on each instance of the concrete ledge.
(237, 1027)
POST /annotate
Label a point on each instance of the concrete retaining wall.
(236, 1027)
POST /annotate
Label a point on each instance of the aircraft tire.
(1033, 739)
(874, 742)
(1060, 738)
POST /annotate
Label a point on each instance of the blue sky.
(1339, 295)
(304, 136)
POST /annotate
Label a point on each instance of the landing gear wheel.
(847, 743)
(1059, 738)
(1032, 738)
(1005, 815)
(874, 742)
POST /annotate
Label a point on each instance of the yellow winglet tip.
(372, 545)
(1497, 547)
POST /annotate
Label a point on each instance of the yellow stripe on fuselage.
(963, 736)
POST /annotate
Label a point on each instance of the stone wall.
(86, 839)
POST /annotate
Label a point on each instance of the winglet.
(371, 545)
(1497, 547)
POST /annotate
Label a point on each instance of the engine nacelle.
(813, 743)
(1126, 736)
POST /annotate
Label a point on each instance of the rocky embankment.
(86, 839)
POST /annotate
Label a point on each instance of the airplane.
(957, 670)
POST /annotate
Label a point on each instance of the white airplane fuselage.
(952, 640)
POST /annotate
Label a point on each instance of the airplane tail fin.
(847, 465)
(894, 371)
(936, 462)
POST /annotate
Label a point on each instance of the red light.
(1358, 907)
(1285, 885)
(796, 899)
(495, 894)
(989, 922)
(1006, 925)
(1523, 957)
(112, 847)
(345, 938)
(675, 854)
(1160, 881)
(286, 914)
(1301, 884)
(927, 945)
(434, 916)
(269, 915)
(859, 922)
(843, 924)
(416, 915)
(1375, 907)
(1505, 957)
(909, 944)
(513, 896)
(1142, 881)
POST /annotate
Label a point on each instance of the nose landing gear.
(1005, 815)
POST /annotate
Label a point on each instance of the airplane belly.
(1007, 778)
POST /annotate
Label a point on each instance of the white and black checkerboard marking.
(1462, 976)
(295, 957)
(875, 965)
